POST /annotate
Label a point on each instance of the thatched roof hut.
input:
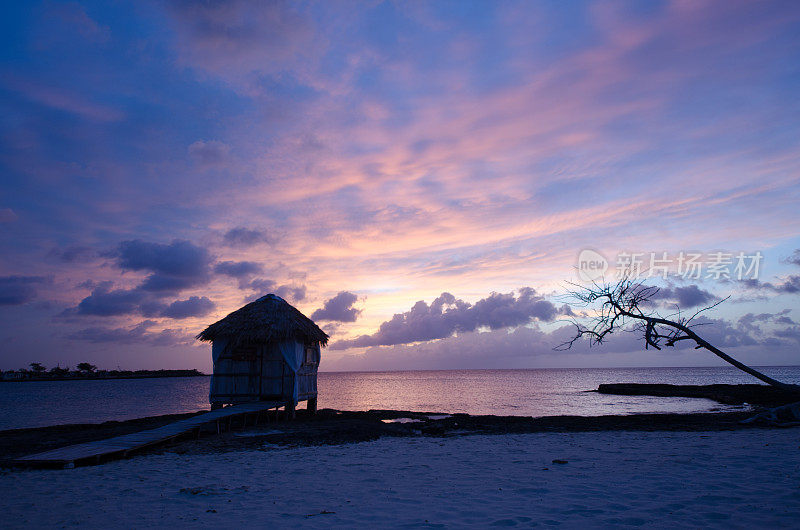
(268, 319)
(266, 350)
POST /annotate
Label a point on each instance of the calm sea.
(540, 392)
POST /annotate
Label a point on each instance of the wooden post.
(311, 406)
(290, 412)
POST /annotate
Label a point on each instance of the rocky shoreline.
(763, 395)
(338, 427)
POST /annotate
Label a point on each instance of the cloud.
(751, 322)
(685, 297)
(235, 38)
(244, 237)
(193, 307)
(448, 315)
(74, 18)
(107, 302)
(209, 153)
(238, 269)
(7, 215)
(73, 254)
(174, 267)
(339, 308)
(794, 259)
(790, 285)
(293, 293)
(529, 346)
(137, 334)
(17, 290)
(63, 100)
(262, 285)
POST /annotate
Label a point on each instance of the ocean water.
(537, 392)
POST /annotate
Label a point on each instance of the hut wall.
(236, 378)
(278, 371)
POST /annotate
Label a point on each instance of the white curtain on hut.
(218, 384)
(293, 353)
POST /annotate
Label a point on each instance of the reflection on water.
(41, 403)
(542, 392)
(545, 392)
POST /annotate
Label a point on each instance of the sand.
(748, 478)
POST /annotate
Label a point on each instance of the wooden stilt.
(311, 406)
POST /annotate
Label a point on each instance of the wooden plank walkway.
(120, 446)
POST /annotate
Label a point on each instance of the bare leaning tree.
(617, 306)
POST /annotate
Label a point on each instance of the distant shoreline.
(138, 374)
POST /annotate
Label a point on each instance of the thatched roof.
(268, 319)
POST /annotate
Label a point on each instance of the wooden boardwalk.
(121, 446)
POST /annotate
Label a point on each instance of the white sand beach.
(745, 479)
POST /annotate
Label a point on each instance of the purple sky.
(419, 176)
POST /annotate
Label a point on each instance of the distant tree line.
(39, 372)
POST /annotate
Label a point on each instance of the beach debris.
(558, 461)
(212, 490)
(323, 512)
(784, 416)
(401, 420)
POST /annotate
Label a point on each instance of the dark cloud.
(517, 348)
(237, 37)
(685, 297)
(138, 334)
(293, 293)
(107, 302)
(339, 308)
(790, 285)
(792, 333)
(73, 254)
(244, 237)
(91, 284)
(210, 153)
(794, 259)
(174, 267)
(262, 286)
(241, 270)
(751, 322)
(238, 269)
(17, 290)
(448, 315)
(193, 307)
(527, 346)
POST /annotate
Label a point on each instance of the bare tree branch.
(617, 305)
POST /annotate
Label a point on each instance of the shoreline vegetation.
(330, 426)
(79, 375)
